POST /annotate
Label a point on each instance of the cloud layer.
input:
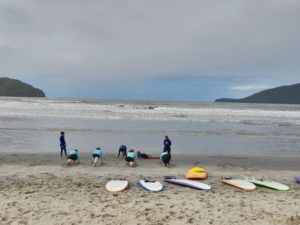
(102, 40)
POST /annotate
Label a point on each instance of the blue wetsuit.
(123, 150)
(63, 145)
(167, 145)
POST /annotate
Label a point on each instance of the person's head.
(76, 150)
(131, 150)
(166, 137)
(62, 133)
(98, 148)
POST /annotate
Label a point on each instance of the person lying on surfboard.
(72, 157)
(141, 155)
(97, 154)
(130, 158)
(165, 158)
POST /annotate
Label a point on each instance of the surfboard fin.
(169, 177)
(226, 178)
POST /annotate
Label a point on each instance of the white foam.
(53, 108)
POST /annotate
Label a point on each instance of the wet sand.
(39, 189)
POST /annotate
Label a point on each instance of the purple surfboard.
(297, 179)
(189, 183)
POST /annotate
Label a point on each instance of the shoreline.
(246, 162)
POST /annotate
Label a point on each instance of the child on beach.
(97, 154)
(165, 158)
(130, 158)
(72, 157)
(123, 150)
(63, 144)
(141, 155)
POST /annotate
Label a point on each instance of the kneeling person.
(130, 158)
(123, 150)
(72, 157)
(97, 154)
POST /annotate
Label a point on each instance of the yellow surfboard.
(196, 173)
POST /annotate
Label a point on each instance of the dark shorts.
(96, 155)
(73, 157)
(129, 159)
(167, 149)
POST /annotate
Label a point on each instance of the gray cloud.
(127, 39)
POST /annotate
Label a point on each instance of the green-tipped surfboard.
(270, 184)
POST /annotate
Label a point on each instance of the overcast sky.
(155, 49)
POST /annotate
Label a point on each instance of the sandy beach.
(39, 189)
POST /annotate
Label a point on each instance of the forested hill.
(280, 95)
(16, 88)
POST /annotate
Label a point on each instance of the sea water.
(33, 125)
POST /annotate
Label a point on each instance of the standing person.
(167, 145)
(63, 144)
(97, 154)
(130, 158)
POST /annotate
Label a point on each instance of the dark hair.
(62, 132)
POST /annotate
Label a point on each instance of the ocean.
(33, 125)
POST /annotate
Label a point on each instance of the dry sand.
(39, 189)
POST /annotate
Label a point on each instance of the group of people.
(130, 156)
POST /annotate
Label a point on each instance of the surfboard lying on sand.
(196, 173)
(116, 185)
(242, 184)
(297, 179)
(188, 183)
(151, 185)
(270, 184)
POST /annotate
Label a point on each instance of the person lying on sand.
(130, 158)
(141, 155)
(72, 157)
(97, 154)
(165, 158)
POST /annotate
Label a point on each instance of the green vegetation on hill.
(280, 95)
(16, 88)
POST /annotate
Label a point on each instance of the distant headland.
(289, 94)
(16, 88)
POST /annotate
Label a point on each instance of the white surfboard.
(270, 184)
(189, 183)
(116, 185)
(151, 185)
(242, 184)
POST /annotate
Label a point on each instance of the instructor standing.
(63, 144)
(167, 145)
